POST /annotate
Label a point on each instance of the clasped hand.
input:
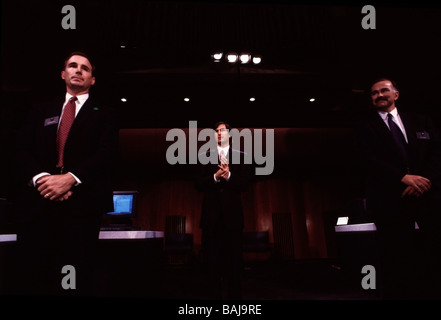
(56, 187)
(416, 185)
(223, 172)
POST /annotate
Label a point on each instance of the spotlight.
(123, 99)
(252, 99)
(232, 57)
(186, 99)
(257, 59)
(217, 56)
(245, 58)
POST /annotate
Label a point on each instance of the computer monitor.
(124, 203)
(124, 209)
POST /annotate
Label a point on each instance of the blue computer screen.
(122, 203)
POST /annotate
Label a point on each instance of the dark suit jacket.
(383, 166)
(222, 201)
(89, 154)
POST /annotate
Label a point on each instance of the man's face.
(78, 74)
(222, 135)
(384, 95)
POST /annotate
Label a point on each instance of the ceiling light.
(312, 100)
(252, 99)
(232, 57)
(245, 58)
(257, 59)
(123, 99)
(186, 99)
(217, 56)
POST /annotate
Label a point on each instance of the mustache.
(381, 98)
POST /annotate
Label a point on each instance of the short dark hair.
(83, 54)
(217, 124)
(394, 84)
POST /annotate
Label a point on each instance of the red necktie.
(63, 131)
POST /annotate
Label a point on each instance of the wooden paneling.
(312, 176)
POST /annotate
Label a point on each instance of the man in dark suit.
(222, 218)
(63, 194)
(403, 180)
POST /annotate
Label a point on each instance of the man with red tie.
(65, 157)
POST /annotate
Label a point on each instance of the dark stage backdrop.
(314, 179)
(155, 52)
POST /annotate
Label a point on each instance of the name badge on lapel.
(51, 120)
(424, 135)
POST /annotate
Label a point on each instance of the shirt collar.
(383, 114)
(81, 98)
(219, 148)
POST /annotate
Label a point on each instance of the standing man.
(63, 174)
(401, 157)
(222, 219)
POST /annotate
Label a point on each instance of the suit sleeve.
(27, 162)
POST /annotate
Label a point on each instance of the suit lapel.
(53, 110)
(84, 115)
(409, 125)
(381, 127)
(410, 128)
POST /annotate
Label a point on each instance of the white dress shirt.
(225, 150)
(396, 119)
